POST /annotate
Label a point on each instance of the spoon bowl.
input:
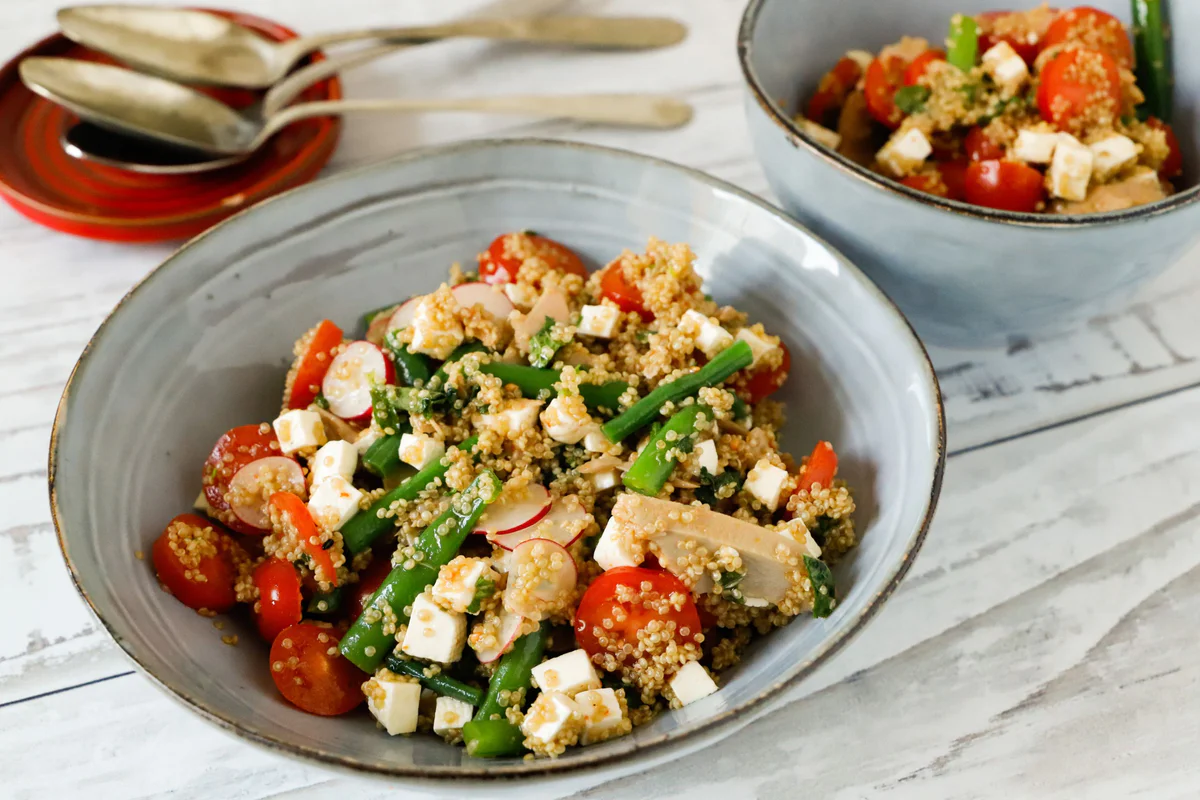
(89, 142)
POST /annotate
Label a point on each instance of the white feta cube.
(299, 429)
(436, 327)
(904, 153)
(691, 683)
(338, 457)
(1006, 67)
(1034, 146)
(450, 714)
(519, 294)
(515, 418)
(553, 717)
(394, 700)
(598, 321)
(602, 715)
(457, 581)
(418, 450)
(1112, 154)
(566, 421)
(821, 134)
(367, 438)
(706, 456)
(333, 502)
(434, 634)
(710, 338)
(594, 441)
(1071, 170)
(569, 673)
(614, 548)
(603, 481)
(765, 482)
(759, 345)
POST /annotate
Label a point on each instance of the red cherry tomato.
(279, 598)
(1027, 47)
(981, 147)
(1006, 185)
(193, 557)
(916, 68)
(603, 624)
(832, 90)
(498, 265)
(1093, 29)
(949, 182)
(1077, 83)
(304, 379)
(304, 528)
(234, 450)
(1173, 166)
(881, 82)
(309, 676)
(821, 467)
(626, 295)
(766, 381)
(368, 583)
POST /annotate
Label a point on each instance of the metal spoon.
(158, 109)
(197, 47)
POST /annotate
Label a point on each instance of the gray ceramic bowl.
(202, 344)
(964, 275)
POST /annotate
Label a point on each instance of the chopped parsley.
(483, 590)
(729, 583)
(712, 487)
(911, 99)
(544, 344)
(320, 402)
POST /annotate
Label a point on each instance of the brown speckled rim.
(582, 764)
(857, 172)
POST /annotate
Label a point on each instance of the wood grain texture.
(1039, 648)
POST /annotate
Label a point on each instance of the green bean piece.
(483, 735)
(654, 465)
(413, 369)
(361, 531)
(442, 684)
(962, 45)
(366, 644)
(383, 456)
(538, 384)
(324, 603)
(824, 598)
(1151, 44)
(462, 350)
(733, 358)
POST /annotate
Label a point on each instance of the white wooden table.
(1043, 645)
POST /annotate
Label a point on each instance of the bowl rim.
(798, 138)
(541, 768)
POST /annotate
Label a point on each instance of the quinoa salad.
(1043, 110)
(528, 511)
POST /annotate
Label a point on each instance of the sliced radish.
(402, 317)
(564, 523)
(510, 629)
(516, 509)
(347, 384)
(535, 588)
(251, 487)
(492, 298)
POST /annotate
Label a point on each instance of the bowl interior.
(204, 342)
(790, 44)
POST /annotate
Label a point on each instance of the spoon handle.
(632, 110)
(624, 33)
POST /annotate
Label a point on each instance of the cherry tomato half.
(880, 85)
(821, 467)
(626, 295)
(1006, 185)
(234, 450)
(368, 583)
(1027, 46)
(1078, 84)
(310, 366)
(917, 67)
(832, 91)
(193, 559)
(304, 528)
(1173, 166)
(949, 182)
(766, 381)
(279, 597)
(1093, 29)
(603, 624)
(498, 264)
(981, 147)
(311, 677)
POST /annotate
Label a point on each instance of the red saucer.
(45, 184)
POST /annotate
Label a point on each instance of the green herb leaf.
(731, 579)
(320, 402)
(970, 92)
(544, 344)
(711, 489)
(483, 590)
(824, 598)
(911, 99)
